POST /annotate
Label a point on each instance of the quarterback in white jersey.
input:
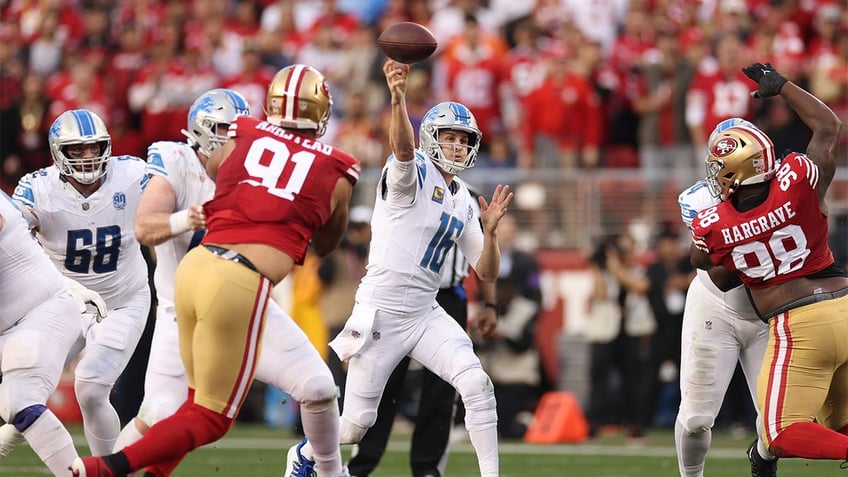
(38, 324)
(421, 211)
(170, 217)
(82, 209)
(720, 328)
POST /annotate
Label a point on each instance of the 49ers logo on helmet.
(724, 147)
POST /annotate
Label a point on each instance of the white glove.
(83, 296)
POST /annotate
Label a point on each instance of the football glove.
(768, 79)
(83, 296)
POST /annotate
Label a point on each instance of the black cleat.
(761, 467)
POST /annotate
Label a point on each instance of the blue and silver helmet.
(449, 116)
(210, 117)
(80, 127)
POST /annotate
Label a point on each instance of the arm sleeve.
(401, 178)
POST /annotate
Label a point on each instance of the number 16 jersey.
(782, 239)
(275, 188)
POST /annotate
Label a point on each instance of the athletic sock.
(810, 441)
(485, 444)
(321, 427)
(691, 450)
(49, 439)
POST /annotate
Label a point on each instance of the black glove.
(769, 80)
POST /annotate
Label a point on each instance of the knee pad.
(697, 424)
(352, 433)
(478, 395)
(158, 407)
(25, 417)
(91, 394)
(319, 389)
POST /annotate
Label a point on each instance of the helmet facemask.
(80, 127)
(210, 117)
(454, 117)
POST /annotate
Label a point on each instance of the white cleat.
(9, 439)
(297, 465)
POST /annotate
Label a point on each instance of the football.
(407, 42)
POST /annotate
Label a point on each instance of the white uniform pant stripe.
(253, 338)
(777, 376)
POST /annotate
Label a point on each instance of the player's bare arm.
(488, 265)
(217, 158)
(486, 319)
(724, 279)
(401, 136)
(328, 237)
(156, 220)
(816, 115)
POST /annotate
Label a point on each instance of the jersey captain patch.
(438, 195)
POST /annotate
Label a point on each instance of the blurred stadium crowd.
(560, 88)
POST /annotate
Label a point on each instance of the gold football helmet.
(739, 156)
(298, 98)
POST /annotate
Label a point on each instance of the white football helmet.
(78, 127)
(210, 117)
(454, 116)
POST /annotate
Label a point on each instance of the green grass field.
(258, 451)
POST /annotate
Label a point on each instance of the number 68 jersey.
(782, 239)
(91, 239)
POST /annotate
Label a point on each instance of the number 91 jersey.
(781, 239)
(275, 188)
(91, 239)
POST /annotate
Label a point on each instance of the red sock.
(810, 441)
(165, 444)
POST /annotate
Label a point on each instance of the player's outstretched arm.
(401, 135)
(155, 219)
(824, 123)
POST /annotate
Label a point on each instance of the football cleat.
(9, 439)
(760, 467)
(90, 467)
(297, 465)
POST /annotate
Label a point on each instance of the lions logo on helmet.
(449, 116)
(299, 98)
(211, 115)
(80, 127)
(739, 156)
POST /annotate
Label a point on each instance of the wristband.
(178, 222)
(491, 305)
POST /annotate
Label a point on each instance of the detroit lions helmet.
(79, 127)
(739, 156)
(454, 116)
(299, 98)
(210, 117)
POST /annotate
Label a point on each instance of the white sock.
(51, 442)
(129, 435)
(691, 450)
(10, 438)
(321, 427)
(485, 444)
(99, 419)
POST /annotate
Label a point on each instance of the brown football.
(407, 42)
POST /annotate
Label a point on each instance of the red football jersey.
(275, 188)
(781, 239)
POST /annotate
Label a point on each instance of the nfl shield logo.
(708, 325)
(119, 200)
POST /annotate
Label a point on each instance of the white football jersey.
(91, 239)
(27, 278)
(410, 242)
(177, 163)
(693, 200)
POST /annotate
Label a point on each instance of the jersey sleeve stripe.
(23, 193)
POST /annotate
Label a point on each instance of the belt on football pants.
(230, 255)
(809, 300)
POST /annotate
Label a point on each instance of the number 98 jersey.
(275, 188)
(781, 239)
(91, 239)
